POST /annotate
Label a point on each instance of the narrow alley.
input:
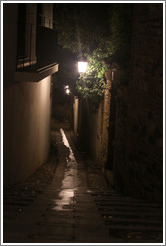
(83, 121)
(78, 207)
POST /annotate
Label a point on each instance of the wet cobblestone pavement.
(76, 206)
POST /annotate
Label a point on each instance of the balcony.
(34, 74)
(36, 57)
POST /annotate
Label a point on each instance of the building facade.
(26, 88)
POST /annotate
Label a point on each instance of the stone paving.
(78, 207)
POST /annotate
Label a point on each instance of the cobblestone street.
(76, 206)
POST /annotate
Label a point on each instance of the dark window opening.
(21, 31)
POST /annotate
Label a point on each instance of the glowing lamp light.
(67, 90)
(82, 66)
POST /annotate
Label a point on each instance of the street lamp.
(67, 90)
(82, 66)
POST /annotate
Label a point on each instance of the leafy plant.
(96, 31)
(92, 84)
(81, 26)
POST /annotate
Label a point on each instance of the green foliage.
(92, 84)
(80, 26)
(96, 31)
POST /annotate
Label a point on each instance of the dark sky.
(94, 18)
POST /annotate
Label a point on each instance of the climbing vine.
(117, 44)
(92, 84)
(107, 31)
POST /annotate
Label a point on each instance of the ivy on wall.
(114, 47)
(92, 83)
(108, 30)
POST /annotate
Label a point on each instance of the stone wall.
(138, 161)
(124, 135)
(104, 135)
(93, 126)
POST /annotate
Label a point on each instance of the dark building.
(28, 70)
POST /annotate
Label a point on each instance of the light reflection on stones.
(69, 184)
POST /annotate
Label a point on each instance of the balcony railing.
(26, 55)
(25, 62)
